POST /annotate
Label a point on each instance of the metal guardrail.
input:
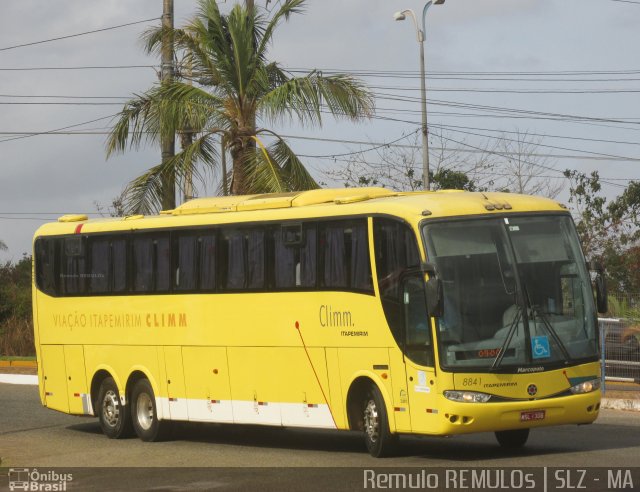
(620, 349)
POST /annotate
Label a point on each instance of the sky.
(557, 58)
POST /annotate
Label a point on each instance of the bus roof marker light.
(426, 212)
(73, 218)
(489, 206)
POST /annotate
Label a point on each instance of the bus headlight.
(585, 387)
(467, 396)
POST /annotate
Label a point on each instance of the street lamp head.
(399, 16)
(438, 2)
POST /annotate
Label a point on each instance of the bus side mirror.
(435, 298)
(602, 299)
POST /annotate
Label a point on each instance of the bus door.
(418, 355)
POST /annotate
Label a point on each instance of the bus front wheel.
(512, 439)
(379, 440)
(144, 413)
(113, 416)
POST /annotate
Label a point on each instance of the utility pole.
(186, 139)
(167, 139)
(223, 162)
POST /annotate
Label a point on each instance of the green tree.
(609, 229)
(15, 289)
(235, 90)
(3, 246)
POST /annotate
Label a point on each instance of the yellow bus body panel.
(281, 358)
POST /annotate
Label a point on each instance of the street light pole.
(420, 34)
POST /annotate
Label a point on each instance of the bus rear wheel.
(379, 440)
(112, 414)
(144, 414)
(512, 439)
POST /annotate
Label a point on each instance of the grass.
(16, 338)
(17, 357)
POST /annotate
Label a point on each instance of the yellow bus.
(429, 313)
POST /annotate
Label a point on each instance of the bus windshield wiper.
(539, 313)
(507, 341)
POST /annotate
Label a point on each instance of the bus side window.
(162, 264)
(285, 259)
(119, 264)
(185, 275)
(418, 344)
(346, 262)
(73, 272)
(142, 264)
(100, 254)
(46, 265)
(255, 258)
(395, 251)
(231, 264)
(151, 263)
(295, 261)
(207, 261)
(242, 259)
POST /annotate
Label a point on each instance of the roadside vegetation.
(16, 324)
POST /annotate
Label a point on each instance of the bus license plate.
(533, 415)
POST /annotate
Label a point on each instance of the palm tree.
(236, 91)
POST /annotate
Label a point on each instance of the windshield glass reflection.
(516, 292)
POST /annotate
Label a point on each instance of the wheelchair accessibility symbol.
(540, 347)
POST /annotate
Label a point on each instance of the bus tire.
(144, 414)
(512, 439)
(377, 436)
(114, 417)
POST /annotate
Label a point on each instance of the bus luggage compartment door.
(76, 380)
(54, 377)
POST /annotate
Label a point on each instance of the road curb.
(620, 404)
(18, 363)
(19, 379)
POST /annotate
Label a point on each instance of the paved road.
(32, 436)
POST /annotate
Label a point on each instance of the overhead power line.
(96, 67)
(507, 91)
(493, 72)
(78, 34)
(57, 129)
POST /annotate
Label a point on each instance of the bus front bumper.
(463, 418)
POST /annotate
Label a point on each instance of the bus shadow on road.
(467, 448)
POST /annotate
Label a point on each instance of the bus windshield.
(517, 293)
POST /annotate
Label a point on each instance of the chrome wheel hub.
(371, 421)
(144, 411)
(111, 408)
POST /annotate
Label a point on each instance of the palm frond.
(296, 174)
(296, 96)
(169, 108)
(344, 96)
(144, 194)
(263, 172)
(137, 122)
